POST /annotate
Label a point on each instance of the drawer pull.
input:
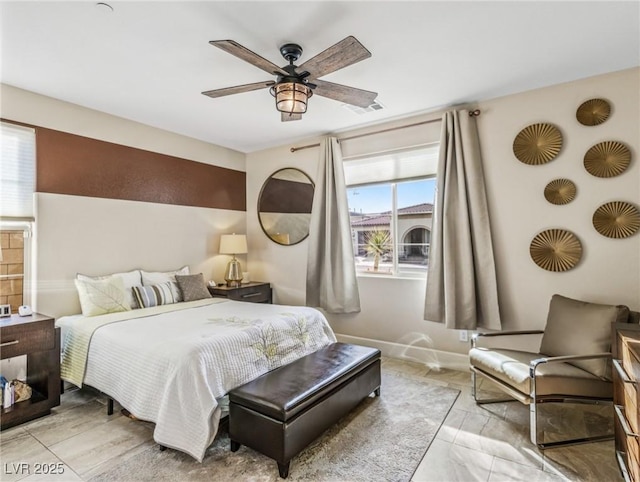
(623, 374)
(623, 421)
(621, 456)
(251, 295)
(8, 343)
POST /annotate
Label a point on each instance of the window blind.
(395, 166)
(17, 170)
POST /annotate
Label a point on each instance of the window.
(17, 179)
(17, 171)
(391, 209)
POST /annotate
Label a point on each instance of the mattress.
(173, 368)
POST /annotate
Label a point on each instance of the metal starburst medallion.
(560, 191)
(607, 159)
(556, 250)
(593, 112)
(617, 219)
(537, 144)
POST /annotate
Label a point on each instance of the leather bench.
(284, 410)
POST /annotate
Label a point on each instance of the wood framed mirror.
(284, 206)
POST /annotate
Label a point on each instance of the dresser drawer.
(632, 461)
(25, 338)
(629, 356)
(627, 393)
(254, 294)
(627, 441)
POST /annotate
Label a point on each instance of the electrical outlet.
(463, 335)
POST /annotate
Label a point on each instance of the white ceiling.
(150, 61)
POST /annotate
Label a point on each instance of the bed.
(173, 364)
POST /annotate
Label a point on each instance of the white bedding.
(172, 368)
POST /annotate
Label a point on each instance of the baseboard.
(434, 359)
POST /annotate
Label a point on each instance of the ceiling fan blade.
(238, 89)
(344, 53)
(234, 48)
(285, 117)
(344, 93)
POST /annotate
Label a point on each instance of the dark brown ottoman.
(283, 411)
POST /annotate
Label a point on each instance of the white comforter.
(172, 368)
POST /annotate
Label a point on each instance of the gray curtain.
(331, 273)
(462, 290)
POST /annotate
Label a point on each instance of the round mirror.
(284, 206)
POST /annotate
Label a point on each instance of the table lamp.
(233, 244)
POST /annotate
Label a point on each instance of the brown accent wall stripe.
(80, 166)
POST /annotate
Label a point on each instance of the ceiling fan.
(294, 84)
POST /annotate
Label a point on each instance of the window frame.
(396, 271)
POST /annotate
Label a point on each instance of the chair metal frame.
(533, 399)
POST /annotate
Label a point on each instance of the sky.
(376, 199)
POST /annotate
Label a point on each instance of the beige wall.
(73, 232)
(98, 236)
(609, 271)
(24, 106)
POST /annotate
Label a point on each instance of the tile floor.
(476, 443)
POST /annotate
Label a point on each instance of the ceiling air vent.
(364, 110)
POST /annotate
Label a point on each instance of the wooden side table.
(37, 337)
(254, 292)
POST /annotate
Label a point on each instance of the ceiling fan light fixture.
(291, 97)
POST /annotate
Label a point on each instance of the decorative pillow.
(150, 278)
(579, 328)
(99, 297)
(130, 279)
(154, 295)
(193, 287)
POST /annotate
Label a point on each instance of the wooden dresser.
(36, 337)
(626, 398)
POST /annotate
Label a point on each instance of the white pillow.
(129, 279)
(99, 297)
(150, 278)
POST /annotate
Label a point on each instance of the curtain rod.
(472, 113)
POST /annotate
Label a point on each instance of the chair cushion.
(512, 367)
(580, 328)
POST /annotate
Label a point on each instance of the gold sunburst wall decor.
(556, 250)
(560, 191)
(593, 112)
(537, 144)
(617, 219)
(607, 159)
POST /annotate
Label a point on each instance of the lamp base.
(233, 273)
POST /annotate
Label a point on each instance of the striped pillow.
(154, 295)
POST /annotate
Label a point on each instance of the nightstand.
(36, 337)
(254, 292)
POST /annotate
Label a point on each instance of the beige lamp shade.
(233, 244)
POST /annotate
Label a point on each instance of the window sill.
(381, 275)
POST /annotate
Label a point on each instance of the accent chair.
(572, 365)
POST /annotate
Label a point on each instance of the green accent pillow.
(99, 297)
